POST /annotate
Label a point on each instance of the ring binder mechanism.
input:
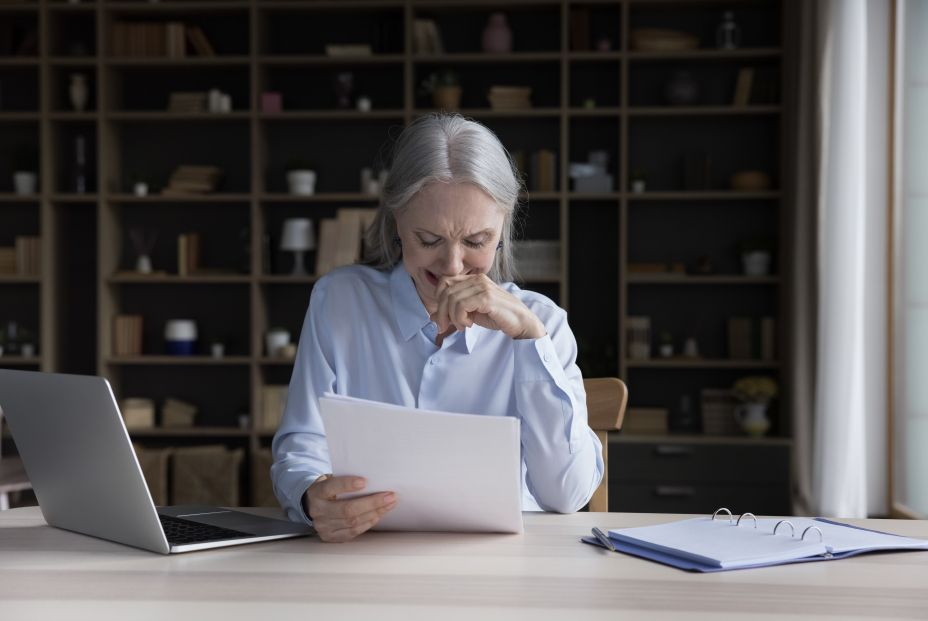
(712, 543)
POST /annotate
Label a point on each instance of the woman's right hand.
(342, 520)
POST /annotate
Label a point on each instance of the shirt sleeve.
(301, 453)
(563, 456)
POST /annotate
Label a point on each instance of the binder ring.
(744, 515)
(792, 528)
(717, 511)
(821, 537)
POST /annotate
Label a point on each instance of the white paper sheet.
(450, 472)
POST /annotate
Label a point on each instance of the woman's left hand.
(475, 299)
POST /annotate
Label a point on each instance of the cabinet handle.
(672, 450)
(674, 491)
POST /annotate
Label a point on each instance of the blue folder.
(696, 566)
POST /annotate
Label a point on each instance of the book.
(742, 96)
(198, 41)
(723, 542)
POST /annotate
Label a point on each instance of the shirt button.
(432, 361)
(547, 357)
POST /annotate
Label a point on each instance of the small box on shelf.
(206, 475)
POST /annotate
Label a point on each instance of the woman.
(434, 322)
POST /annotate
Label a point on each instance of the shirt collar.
(409, 311)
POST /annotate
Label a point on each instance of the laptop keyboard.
(181, 532)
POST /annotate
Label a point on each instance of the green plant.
(438, 79)
(755, 388)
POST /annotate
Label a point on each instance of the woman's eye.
(429, 243)
(475, 244)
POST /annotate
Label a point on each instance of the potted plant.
(301, 178)
(638, 180)
(665, 344)
(755, 393)
(276, 339)
(25, 169)
(756, 256)
(445, 89)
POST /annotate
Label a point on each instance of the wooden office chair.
(12, 475)
(605, 404)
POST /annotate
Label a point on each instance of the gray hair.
(446, 148)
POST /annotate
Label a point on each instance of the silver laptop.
(86, 477)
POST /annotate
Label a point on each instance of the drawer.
(700, 499)
(670, 463)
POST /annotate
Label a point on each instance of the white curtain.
(839, 266)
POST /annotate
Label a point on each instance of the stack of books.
(718, 412)
(184, 102)
(193, 180)
(28, 255)
(188, 254)
(150, 39)
(7, 260)
(752, 338)
(341, 239)
(273, 402)
(177, 413)
(510, 97)
(538, 259)
(127, 335)
(645, 421)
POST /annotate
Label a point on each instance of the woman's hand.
(475, 299)
(342, 520)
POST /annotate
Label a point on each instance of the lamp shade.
(298, 235)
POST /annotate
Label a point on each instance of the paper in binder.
(722, 542)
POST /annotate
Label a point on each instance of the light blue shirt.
(367, 334)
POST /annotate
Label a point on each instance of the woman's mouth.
(432, 278)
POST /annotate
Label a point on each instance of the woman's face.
(448, 229)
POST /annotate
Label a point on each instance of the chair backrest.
(606, 398)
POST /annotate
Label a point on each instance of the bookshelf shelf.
(175, 7)
(188, 432)
(678, 111)
(331, 115)
(359, 60)
(172, 279)
(152, 360)
(20, 361)
(177, 117)
(323, 197)
(189, 61)
(696, 439)
(18, 117)
(705, 54)
(287, 280)
(15, 279)
(484, 57)
(685, 363)
(721, 195)
(192, 198)
(719, 279)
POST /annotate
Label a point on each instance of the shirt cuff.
(536, 360)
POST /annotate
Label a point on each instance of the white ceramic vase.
(302, 182)
(25, 182)
(78, 91)
(756, 263)
(753, 418)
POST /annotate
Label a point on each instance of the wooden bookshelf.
(582, 100)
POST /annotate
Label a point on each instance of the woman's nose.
(454, 259)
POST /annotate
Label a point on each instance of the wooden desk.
(544, 574)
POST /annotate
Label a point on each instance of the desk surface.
(544, 574)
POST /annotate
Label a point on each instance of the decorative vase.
(275, 340)
(78, 91)
(302, 182)
(143, 264)
(497, 37)
(756, 263)
(25, 182)
(753, 418)
(447, 97)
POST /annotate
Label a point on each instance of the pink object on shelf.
(271, 102)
